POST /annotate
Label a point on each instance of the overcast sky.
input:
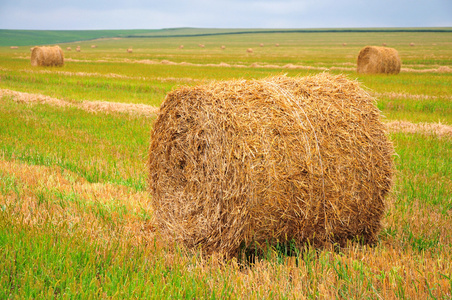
(156, 14)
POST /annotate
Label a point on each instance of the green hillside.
(44, 37)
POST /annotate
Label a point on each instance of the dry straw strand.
(47, 56)
(373, 59)
(247, 162)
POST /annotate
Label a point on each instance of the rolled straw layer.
(373, 60)
(241, 162)
(47, 56)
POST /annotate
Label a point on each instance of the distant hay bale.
(249, 50)
(14, 47)
(93, 46)
(246, 162)
(47, 56)
(373, 59)
(78, 49)
(344, 44)
(261, 45)
(201, 46)
(181, 47)
(384, 44)
(411, 44)
(68, 48)
(277, 45)
(129, 50)
(223, 47)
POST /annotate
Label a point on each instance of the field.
(75, 219)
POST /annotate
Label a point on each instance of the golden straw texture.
(47, 56)
(373, 59)
(254, 161)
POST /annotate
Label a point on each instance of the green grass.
(97, 147)
(33, 267)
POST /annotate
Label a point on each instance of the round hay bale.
(47, 56)
(68, 48)
(181, 47)
(78, 49)
(14, 47)
(373, 59)
(223, 47)
(93, 46)
(344, 44)
(130, 50)
(412, 44)
(249, 50)
(241, 162)
(261, 45)
(384, 44)
(277, 45)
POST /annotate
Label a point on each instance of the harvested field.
(74, 191)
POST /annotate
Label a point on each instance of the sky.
(157, 14)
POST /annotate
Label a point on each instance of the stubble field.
(75, 218)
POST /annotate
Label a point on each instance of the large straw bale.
(373, 59)
(241, 162)
(47, 56)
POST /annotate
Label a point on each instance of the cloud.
(132, 14)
